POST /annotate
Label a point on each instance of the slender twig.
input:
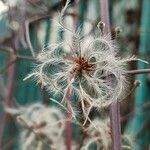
(26, 58)
(105, 14)
(139, 71)
(9, 50)
(12, 61)
(14, 57)
(27, 23)
(115, 106)
(8, 95)
(8, 64)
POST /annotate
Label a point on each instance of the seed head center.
(83, 65)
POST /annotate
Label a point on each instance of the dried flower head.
(90, 69)
(43, 127)
(99, 135)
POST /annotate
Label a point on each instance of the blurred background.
(28, 26)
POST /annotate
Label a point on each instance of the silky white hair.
(89, 68)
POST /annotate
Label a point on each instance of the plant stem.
(139, 71)
(68, 125)
(105, 14)
(115, 125)
(69, 132)
(68, 135)
(115, 106)
(8, 95)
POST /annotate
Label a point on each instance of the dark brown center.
(82, 65)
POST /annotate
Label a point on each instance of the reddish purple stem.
(11, 79)
(105, 14)
(7, 97)
(115, 106)
(68, 125)
(68, 134)
(115, 125)
(69, 129)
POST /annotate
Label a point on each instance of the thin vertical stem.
(104, 8)
(115, 106)
(68, 135)
(8, 96)
(69, 129)
(68, 125)
(115, 125)
(8, 93)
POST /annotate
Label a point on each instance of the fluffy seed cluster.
(88, 69)
(42, 127)
(99, 137)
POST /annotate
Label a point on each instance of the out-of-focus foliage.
(125, 14)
